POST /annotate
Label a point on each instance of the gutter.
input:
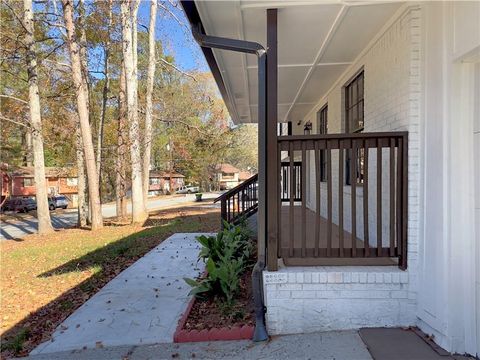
(214, 42)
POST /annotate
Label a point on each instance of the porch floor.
(309, 258)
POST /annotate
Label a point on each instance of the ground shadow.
(111, 259)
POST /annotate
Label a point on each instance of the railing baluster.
(318, 196)
(399, 198)
(304, 200)
(353, 182)
(379, 197)
(340, 198)
(403, 258)
(392, 197)
(329, 201)
(292, 196)
(366, 242)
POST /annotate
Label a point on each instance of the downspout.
(249, 47)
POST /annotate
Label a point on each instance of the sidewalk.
(340, 345)
(142, 305)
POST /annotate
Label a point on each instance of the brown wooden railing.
(241, 201)
(358, 215)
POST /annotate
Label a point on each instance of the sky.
(175, 35)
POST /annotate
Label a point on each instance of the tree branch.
(15, 122)
(14, 98)
(165, 62)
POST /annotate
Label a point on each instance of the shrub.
(227, 256)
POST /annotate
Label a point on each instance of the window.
(28, 182)
(154, 181)
(354, 123)
(72, 181)
(322, 121)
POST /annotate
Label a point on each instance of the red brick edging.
(215, 334)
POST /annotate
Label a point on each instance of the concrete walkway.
(142, 305)
(340, 345)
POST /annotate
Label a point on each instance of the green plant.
(227, 255)
(16, 343)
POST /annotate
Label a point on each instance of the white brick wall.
(306, 299)
(328, 298)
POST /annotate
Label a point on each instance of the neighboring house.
(227, 176)
(160, 182)
(378, 220)
(60, 181)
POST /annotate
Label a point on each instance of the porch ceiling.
(317, 40)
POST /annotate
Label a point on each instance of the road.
(19, 225)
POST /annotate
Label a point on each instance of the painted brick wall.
(392, 68)
(307, 299)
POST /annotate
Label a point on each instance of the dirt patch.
(45, 278)
(210, 313)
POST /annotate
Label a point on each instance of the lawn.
(45, 278)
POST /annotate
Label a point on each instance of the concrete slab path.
(142, 305)
(344, 345)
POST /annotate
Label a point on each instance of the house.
(60, 181)
(373, 218)
(159, 182)
(227, 176)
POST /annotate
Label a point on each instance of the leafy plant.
(227, 256)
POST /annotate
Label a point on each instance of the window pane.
(360, 87)
(354, 93)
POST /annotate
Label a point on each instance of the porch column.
(272, 184)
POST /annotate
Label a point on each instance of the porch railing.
(354, 210)
(291, 175)
(241, 201)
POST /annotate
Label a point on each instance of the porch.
(343, 203)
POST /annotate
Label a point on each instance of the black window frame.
(322, 129)
(354, 106)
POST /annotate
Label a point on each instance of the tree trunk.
(82, 181)
(121, 176)
(147, 148)
(106, 87)
(43, 213)
(83, 115)
(139, 213)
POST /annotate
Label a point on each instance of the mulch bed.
(207, 320)
(208, 314)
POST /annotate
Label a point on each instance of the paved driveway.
(17, 226)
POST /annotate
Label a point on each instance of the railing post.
(271, 142)
(223, 211)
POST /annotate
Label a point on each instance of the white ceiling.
(317, 40)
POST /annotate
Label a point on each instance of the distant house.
(159, 182)
(60, 181)
(228, 176)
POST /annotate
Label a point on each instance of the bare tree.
(120, 179)
(82, 93)
(147, 147)
(82, 180)
(106, 86)
(128, 11)
(43, 213)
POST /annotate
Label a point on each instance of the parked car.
(8, 205)
(187, 189)
(55, 202)
(25, 205)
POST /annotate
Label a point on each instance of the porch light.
(307, 128)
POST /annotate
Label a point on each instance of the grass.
(45, 278)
